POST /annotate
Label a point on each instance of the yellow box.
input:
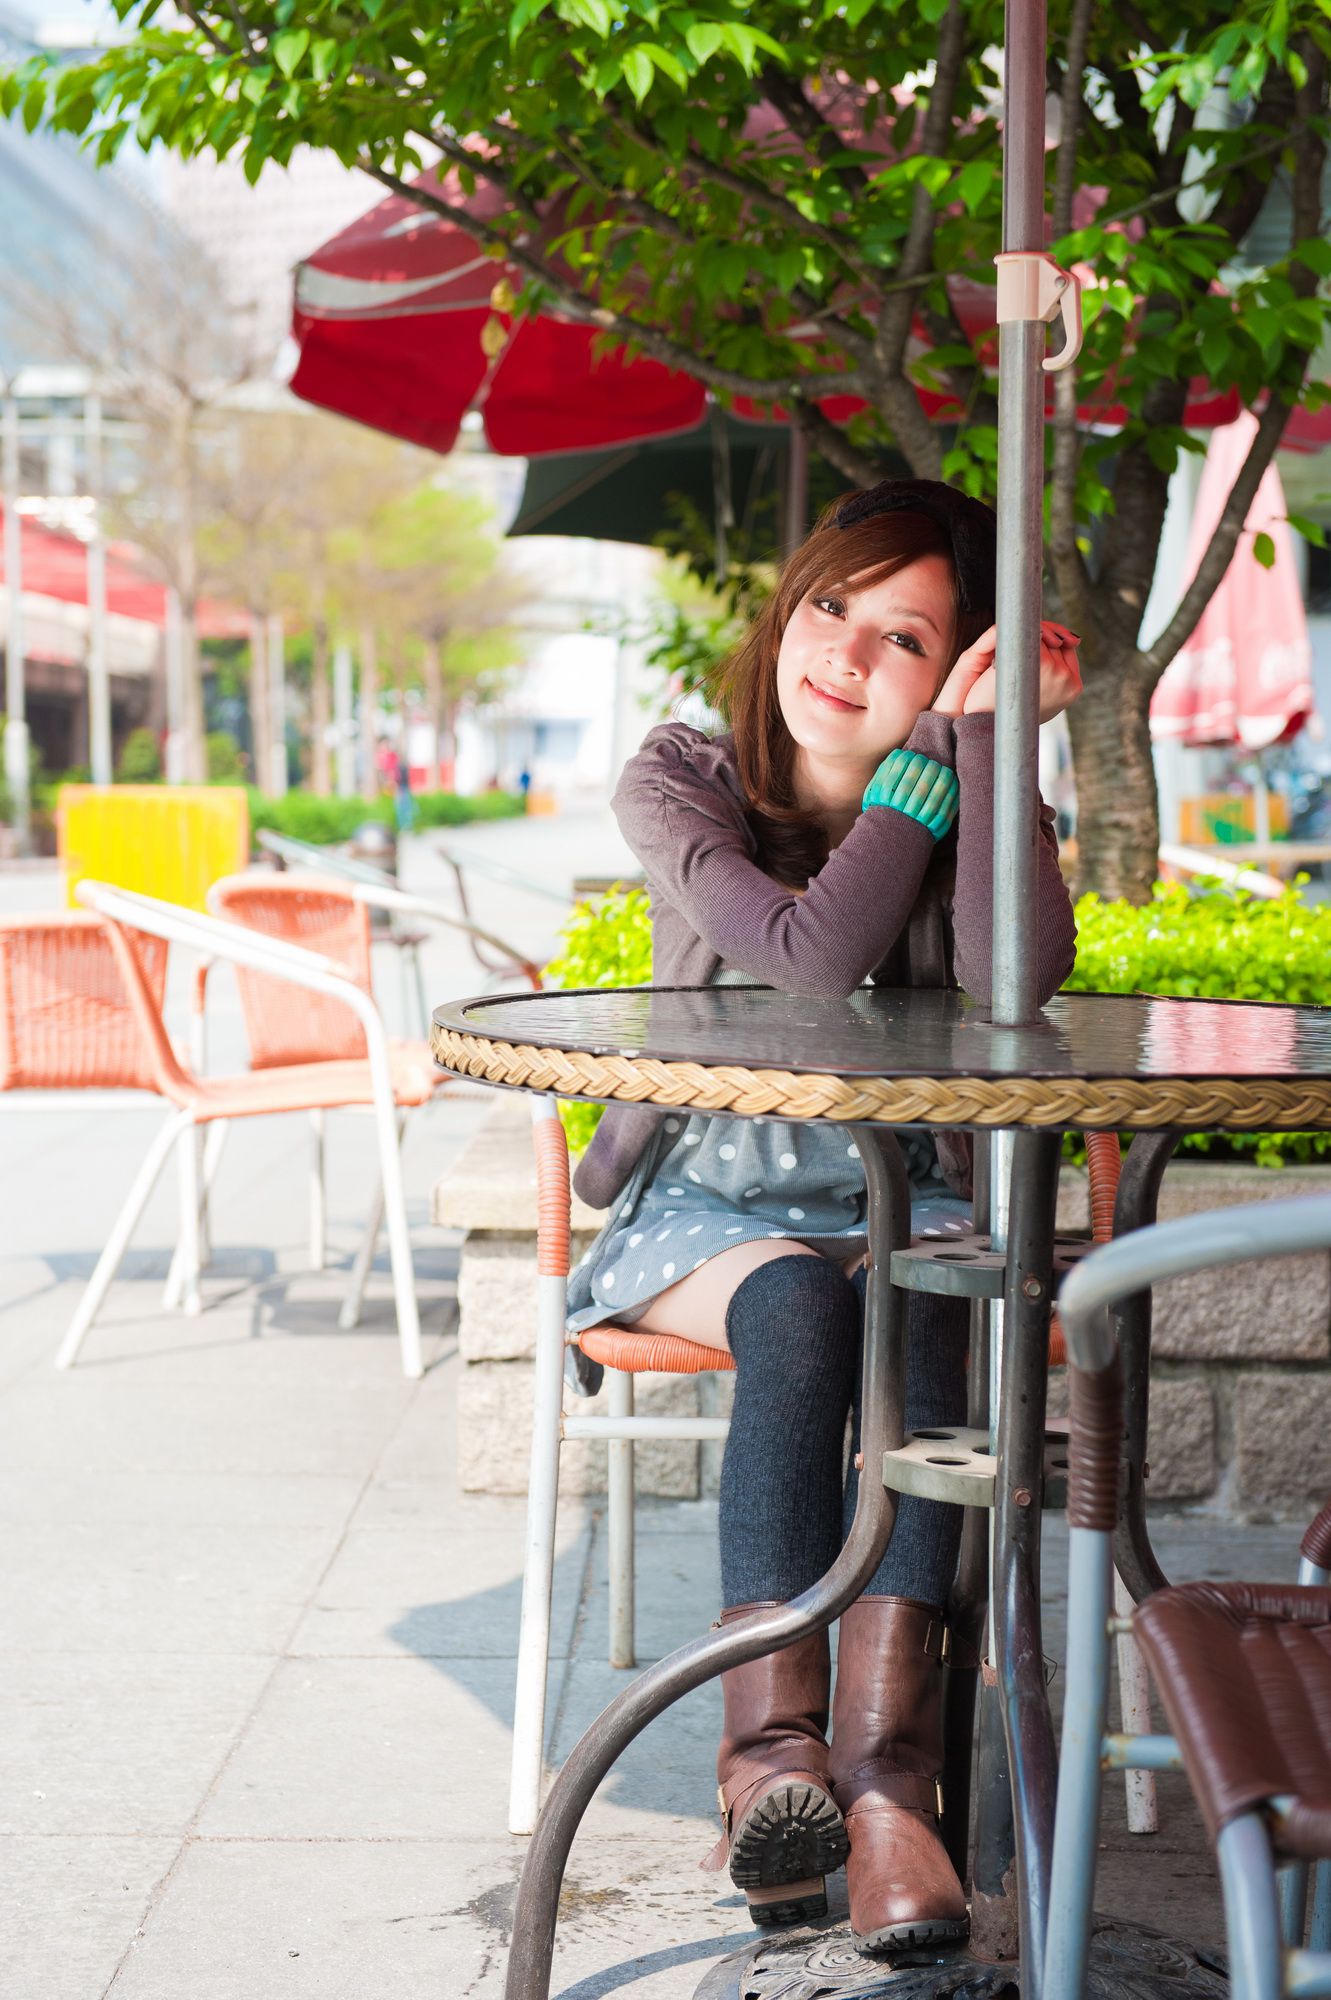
(172, 841)
(1228, 816)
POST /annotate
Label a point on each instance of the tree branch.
(831, 443)
(1074, 585)
(821, 139)
(650, 339)
(893, 329)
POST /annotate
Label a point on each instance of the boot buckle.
(938, 1798)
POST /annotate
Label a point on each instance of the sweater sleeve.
(687, 827)
(973, 901)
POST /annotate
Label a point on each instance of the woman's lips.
(829, 699)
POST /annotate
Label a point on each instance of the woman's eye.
(906, 639)
(832, 604)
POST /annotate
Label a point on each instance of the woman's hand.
(969, 688)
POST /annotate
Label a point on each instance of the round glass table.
(888, 1058)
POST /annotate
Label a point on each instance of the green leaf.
(974, 182)
(323, 59)
(638, 72)
(702, 40)
(1315, 252)
(288, 50)
(1312, 531)
(1264, 549)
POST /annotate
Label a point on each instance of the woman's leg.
(921, 1558)
(887, 1744)
(791, 1319)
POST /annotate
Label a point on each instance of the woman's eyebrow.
(905, 611)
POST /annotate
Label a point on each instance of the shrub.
(1212, 944)
(226, 765)
(607, 943)
(140, 759)
(324, 822)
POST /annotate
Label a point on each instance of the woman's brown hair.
(792, 842)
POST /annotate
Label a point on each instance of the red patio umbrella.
(405, 324)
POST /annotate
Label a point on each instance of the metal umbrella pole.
(1032, 290)
(16, 718)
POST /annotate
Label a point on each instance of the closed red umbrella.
(1245, 675)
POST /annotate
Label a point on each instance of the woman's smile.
(827, 697)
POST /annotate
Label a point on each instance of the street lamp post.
(16, 715)
(99, 679)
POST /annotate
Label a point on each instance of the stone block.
(497, 1293)
(1181, 1441)
(492, 1183)
(494, 1434)
(1278, 1310)
(1281, 1426)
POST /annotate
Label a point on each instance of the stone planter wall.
(1241, 1389)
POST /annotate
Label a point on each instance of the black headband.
(970, 526)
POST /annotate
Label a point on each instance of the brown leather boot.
(782, 1830)
(887, 1753)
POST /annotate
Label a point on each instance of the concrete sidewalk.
(258, 1648)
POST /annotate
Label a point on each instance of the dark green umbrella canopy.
(667, 486)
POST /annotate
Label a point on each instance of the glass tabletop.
(890, 1032)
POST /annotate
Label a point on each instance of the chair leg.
(422, 1004)
(1134, 1693)
(189, 1221)
(1293, 1885)
(1252, 1909)
(213, 1144)
(619, 1508)
(349, 1315)
(538, 1569)
(1319, 1930)
(318, 1204)
(118, 1242)
(399, 1241)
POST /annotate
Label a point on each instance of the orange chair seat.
(311, 1086)
(635, 1353)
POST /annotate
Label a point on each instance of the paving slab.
(70, 1910)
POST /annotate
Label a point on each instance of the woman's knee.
(797, 1315)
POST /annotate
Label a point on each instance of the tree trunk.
(369, 708)
(433, 680)
(196, 755)
(261, 729)
(320, 765)
(1118, 818)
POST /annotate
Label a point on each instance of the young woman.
(841, 833)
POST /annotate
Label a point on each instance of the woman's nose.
(850, 653)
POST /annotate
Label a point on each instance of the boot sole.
(915, 1936)
(786, 1842)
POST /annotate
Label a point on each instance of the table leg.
(1015, 1595)
(1138, 1193)
(531, 1952)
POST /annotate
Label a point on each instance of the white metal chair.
(376, 1080)
(624, 1353)
(1243, 1670)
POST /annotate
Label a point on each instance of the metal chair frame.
(1264, 1905)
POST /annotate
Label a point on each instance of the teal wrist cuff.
(918, 786)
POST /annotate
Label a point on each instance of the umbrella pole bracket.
(1032, 286)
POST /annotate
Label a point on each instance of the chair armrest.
(398, 901)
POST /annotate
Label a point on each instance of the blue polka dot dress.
(708, 1183)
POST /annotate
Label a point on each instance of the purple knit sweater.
(890, 903)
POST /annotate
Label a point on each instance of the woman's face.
(857, 665)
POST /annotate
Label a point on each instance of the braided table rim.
(1094, 1103)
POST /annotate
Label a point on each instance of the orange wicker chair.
(286, 1024)
(626, 1352)
(137, 927)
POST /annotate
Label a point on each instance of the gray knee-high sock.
(921, 1558)
(793, 1328)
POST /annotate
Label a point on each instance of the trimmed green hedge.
(322, 822)
(1210, 944)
